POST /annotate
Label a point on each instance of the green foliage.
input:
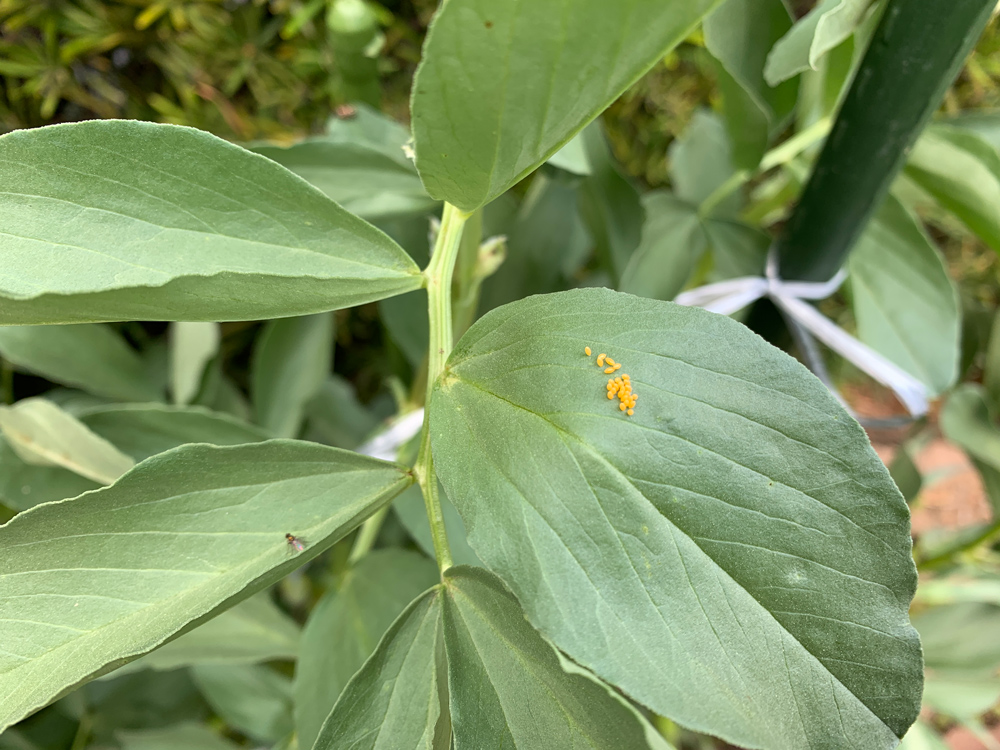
(707, 548)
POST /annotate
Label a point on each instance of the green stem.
(438, 276)
(6, 382)
(780, 154)
(367, 535)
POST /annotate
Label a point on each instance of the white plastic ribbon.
(386, 444)
(726, 297)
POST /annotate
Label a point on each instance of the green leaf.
(253, 631)
(904, 301)
(967, 422)
(983, 122)
(609, 204)
(188, 736)
(701, 161)
(345, 627)
(363, 180)
(160, 222)
(739, 34)
(192, 347)
(922, 737)
(42, 434)
(136, 701)
(369, 127)
(915, 53)
(547, 237)
(504, 84)
(336, 417)
(962, 171)
(92, 583)
(510, 689)
(905, 474)
(961, 656)
(399, 699)
(252, 698)
(673, 240)
(737, 536)
(812, 36)
(412, 513)
(291, 360)
(144, 430)
(91, 357)
(23, 486)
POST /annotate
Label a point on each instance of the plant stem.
(367, 535)
(780, 154)
(438, 275)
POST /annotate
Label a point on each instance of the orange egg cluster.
(620, 386)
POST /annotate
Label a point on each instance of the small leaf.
(92, 583)
(347, 624)
(160, 222)
(962, 172)
(737, 536)
(42, 434)
(399, 698)
(336, 417)
(510, 689)
(192, 347)
(253, 631)
(23, 486)
(365, 181)
(904, 301)
(251, 698)
(812, 36)
(967, 422)
(505, 84)
(291, 360)
(739, 34)
(91, 357)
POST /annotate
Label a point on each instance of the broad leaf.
(188, 736)
(369, 127)
(23, 485)
(94, 582)
(508, 687)
(336, 417)
(399, 699)
(610, 205)
(547, 241)
(42, 434)
(812, 36)
(144, 430)
(192, 347)
(505, 84)
(962, 171)
(291, 360)
(737, 537)
(739, 34)
(91, 357)
(253, 631)
(251, 698)
(118, 220)
(701, 160)
(904, 301)
(365, 181)
(673, 240)
(347, 624)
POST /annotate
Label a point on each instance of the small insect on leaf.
(295, 542)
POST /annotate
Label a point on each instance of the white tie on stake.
(726, 297)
